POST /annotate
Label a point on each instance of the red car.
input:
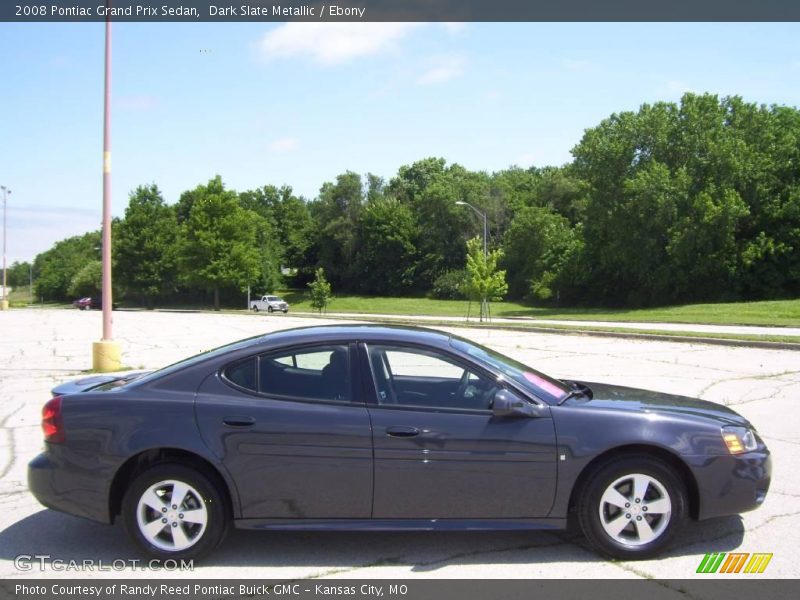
(89, 303)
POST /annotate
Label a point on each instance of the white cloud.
(442, 69)
(331, 43)
(284, 144)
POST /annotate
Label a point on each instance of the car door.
(440, 452)
(293, 431)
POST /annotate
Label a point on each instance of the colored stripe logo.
(734, 562)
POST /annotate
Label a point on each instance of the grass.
(777, 313)
(21, 297)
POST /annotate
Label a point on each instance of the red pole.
(107, 296)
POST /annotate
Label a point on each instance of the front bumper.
(731, 484)
(67, 490)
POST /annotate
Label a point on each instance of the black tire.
(269, 309)
(255, 308)
(286, 311)
(632, 541)
(202, 490)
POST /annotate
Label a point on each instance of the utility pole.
(4, 301)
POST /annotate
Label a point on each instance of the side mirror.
(508, 404)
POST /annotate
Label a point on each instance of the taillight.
(52, 422)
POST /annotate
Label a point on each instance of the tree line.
(697, 200)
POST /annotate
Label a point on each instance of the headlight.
(739, 439)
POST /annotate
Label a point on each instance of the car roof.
(365, 332)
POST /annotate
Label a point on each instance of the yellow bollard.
(106, 356)
(3, 304)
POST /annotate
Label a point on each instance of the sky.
(299, 103)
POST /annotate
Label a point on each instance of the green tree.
(485, 282)
(431, 189)
(88, 281)
(386, 256)
(144, 246)
(450, 286)
(18, 274)
(295, 229)
(56, 267)
(695, 201)
(219, 242)
(320, 291)
(537, 247)
(336, 213)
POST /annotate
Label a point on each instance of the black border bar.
(700, 588)
(400, 10)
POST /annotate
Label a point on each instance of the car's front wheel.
(631, 507)
(269, 309)
(173, 511)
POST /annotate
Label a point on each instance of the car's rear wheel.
(255, 308)
(173, 511)
(631, 507)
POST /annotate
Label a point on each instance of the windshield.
(537, 383)
(273, 299)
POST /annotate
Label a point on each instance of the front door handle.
(402, 431)
(239, 421)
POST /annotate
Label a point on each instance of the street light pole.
(4, 301)
(106, 352)
(484, 302)
(106, 258)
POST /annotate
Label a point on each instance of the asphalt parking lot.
(39, 348)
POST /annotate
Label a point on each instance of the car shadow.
(68, 539)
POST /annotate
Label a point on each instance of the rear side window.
(242, 373)
(313, 373)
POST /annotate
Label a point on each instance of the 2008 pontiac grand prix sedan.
(387, 428)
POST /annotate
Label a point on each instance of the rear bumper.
(63, 489)
(730, 485)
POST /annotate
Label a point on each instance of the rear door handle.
(239, 421)
(402, 431)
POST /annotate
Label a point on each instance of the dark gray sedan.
(387, 428)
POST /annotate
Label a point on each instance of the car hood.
(617, 397)
(95, 381)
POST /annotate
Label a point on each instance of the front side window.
(416, 377)
(316, 373)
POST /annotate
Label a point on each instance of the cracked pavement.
(42, 347)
